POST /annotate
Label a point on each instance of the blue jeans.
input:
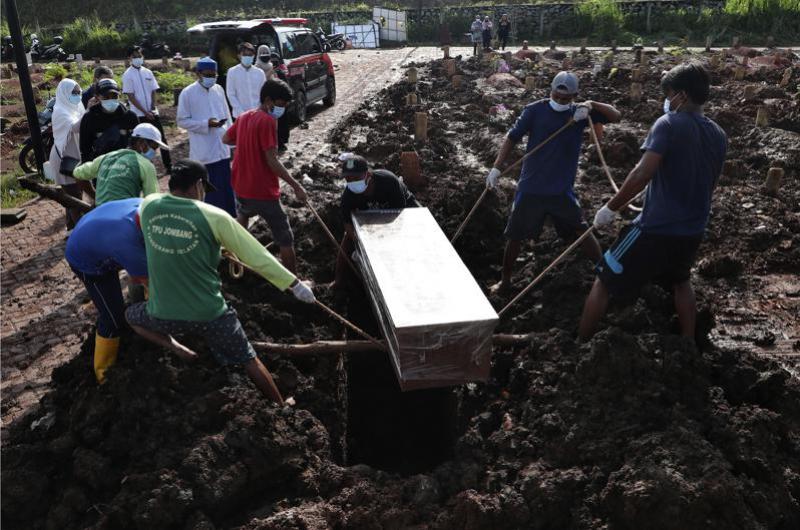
(106, 294)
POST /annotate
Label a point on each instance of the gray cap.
(565, 82)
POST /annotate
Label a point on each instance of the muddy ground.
(636, 429)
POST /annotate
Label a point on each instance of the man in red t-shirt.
(257, 170)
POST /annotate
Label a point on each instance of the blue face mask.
(109, 105)
(74, 98)
(150, 153)
(247, 60)
(137, 61)
(357, 186)
(277, 112)
(208, 82)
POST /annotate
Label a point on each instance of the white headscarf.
(65, 113)
(265, 65)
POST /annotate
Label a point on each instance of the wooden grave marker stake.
(762, 116)
(420, 126)
(773, 182)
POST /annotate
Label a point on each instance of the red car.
(297, 54)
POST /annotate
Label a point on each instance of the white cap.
(148, 132)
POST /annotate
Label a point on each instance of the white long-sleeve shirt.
(244, 88)
(195, 106)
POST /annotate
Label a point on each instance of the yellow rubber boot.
(105, 355)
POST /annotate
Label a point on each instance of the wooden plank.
(437, 321)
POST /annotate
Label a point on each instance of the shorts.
(224, 335)
(272, 212)
(529, 211)
(637, 258)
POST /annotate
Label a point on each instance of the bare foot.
(500, 287)
(182, 351)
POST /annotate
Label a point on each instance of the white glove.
(604, 216)
(581, 112)
(491, 178)
(303, 292)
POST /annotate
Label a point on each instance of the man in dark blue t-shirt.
(683, 156)
(547, 179)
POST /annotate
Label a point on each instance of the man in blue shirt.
(547, 179)
(683, 156)
(104, 241)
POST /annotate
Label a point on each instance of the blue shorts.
(637, 258)
(224, 335)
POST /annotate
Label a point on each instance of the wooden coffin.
(434, 316)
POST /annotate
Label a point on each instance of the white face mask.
(667, 107)
(109, 105)
(357, 186)
(558, 107)
(137, 62)
(277, 112)
(247, 60)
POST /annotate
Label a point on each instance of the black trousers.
(165, 158)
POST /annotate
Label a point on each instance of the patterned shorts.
(224, 335)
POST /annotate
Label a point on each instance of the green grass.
(10, 191)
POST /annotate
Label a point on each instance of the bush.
(602, 19)
(168, 81)
(92, 38)
(55, 72)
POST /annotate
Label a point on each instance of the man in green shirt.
(183, 238)
(125, 173)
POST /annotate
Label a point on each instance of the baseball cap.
(565, 82)
(186, 172)
(104, 86)
(354, 165)
(148, 132)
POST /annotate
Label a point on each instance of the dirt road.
(46, 312)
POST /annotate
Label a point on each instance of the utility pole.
(25, 82)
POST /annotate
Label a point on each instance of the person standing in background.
(89, 97)
(503, 31)
(107, 125)
(66, 121)
(476, 31)
(243, 84)
(203, 111)
(140, 85)
(265, 63)
(486, 28)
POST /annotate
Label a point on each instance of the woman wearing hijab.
(66, 122)
(263, 62)
(476, 29)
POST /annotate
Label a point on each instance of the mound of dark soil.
(635, 429)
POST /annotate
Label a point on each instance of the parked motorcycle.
(41, 53)
(153, 50)
(27, 158)
(333, 41)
